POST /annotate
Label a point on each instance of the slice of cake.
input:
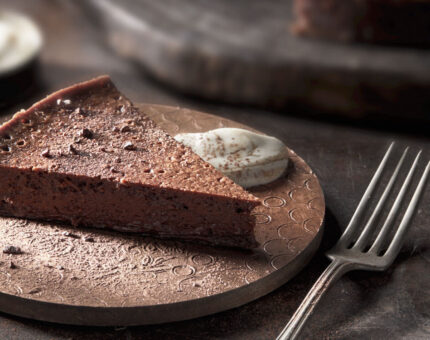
(377, 21)
(86, 156)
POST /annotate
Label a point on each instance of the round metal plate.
(97, 277)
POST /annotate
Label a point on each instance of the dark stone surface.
(362, 305)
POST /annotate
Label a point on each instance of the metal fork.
(353, 252)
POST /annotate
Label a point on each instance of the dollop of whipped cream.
(20, 40)
(248, 158)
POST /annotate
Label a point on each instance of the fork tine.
(355, 219)
(397, 241)
(381, 238)
(366, 233)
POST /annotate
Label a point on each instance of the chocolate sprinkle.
(81, 111)
(125, 128)
(46, 153)
(73, 150)
(129, 146)
(87, 133)
(12, 250)
(35, 291)
(69, 234)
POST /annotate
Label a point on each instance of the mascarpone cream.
(248, 158)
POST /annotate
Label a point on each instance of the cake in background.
(376, 21)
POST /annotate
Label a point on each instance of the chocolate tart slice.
(85, 155)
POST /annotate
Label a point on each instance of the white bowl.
(20, 41)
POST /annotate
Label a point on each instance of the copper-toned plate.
(120, 279)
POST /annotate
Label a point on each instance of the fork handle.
(332, 273)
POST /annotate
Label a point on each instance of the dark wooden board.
(243, 52)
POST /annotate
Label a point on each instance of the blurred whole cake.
(376, 21)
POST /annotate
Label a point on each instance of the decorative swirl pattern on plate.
(274, 202)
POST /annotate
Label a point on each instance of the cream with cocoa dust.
(248, 158)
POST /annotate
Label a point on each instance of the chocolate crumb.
(12, 250)
(102, 149)
(88, 239)
(69, 234)
(87, 133)
(73, 150)
(35, 291)
(125, 128)
(81, 111)
(46, 153)
(121, 108)
(12, 265)
(129, 146)
(113, 170)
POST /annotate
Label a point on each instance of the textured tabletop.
(362, 305)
